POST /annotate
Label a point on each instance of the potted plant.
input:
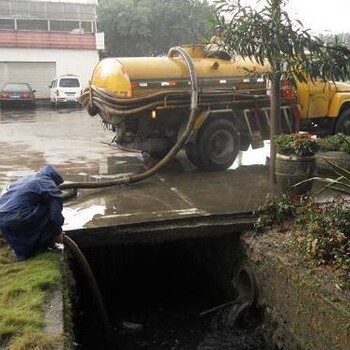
(334, 148)
(295, 161)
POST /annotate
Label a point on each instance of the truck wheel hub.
(220, 144)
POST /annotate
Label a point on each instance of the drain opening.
(155, 294)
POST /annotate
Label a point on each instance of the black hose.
(123, 180)
(125, 102)
(93, 287)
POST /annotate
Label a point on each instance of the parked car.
(65, 89)
(17, 94)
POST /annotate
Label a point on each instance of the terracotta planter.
(291, 170)
(324, 169)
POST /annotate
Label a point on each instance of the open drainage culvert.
(169, 295)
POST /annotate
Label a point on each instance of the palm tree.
(267, 35)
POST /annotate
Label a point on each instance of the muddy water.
(189, 333)
(163, 296)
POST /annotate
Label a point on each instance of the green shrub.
(320, 230)
(298, 144)
(345, 147)
(330, 143)
(274, 211)
(325, 232)
(338, 142)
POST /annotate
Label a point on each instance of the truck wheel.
(343, 123)
(217, 145)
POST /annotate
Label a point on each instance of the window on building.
(5, 8)
(64, 26)
(87, 26)
(37, 10)
(19, 8)
(72, 9)
(7, 24)
(56, 10)
(35, 24)
(87, 12)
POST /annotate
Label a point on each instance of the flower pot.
(324, 169)
(291, 170)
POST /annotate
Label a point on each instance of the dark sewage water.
(156, 297)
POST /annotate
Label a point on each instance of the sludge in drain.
(156, 296)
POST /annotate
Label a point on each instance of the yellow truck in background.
(324, 106)
(146, 101)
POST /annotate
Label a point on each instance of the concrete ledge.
(54, 317)
(306, 306)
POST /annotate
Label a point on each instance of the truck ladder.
(258, 118)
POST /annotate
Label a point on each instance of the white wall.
(79, 62)
(93, 2)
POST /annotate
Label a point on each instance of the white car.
(65, 89)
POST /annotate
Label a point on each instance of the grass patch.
(34, 341)
(25, 287)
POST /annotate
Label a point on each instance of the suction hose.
(93, 287)
(123, 180)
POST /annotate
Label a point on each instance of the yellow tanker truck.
(147, 102)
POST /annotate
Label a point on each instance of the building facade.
(40, 40)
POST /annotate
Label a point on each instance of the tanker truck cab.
(324, 106)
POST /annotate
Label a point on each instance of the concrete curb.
(54, 322)
(304, 309)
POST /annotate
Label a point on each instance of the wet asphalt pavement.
(78, 146)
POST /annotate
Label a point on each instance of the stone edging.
(302, 312)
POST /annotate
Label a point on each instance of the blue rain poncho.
(31, 212)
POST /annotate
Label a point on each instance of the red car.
(17, 94)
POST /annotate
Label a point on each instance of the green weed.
(25, 287)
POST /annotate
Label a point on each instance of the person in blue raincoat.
(31, 212)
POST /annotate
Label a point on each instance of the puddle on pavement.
(77, 218)
(257, 156)
(17, 115)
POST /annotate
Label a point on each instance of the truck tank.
(147, 102)
(139, 76)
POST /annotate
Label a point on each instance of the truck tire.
(217, 145)
(343, 123)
